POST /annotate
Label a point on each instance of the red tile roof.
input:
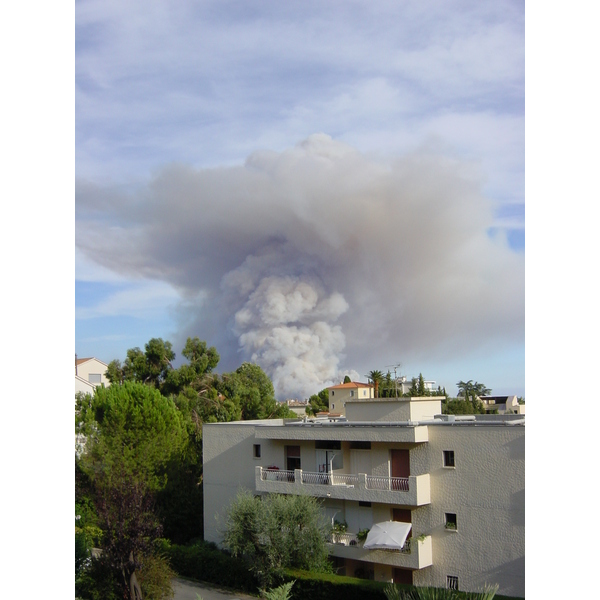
(352, 384)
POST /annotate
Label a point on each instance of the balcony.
(415, 554)
(409, 491)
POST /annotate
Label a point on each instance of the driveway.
(190, 590)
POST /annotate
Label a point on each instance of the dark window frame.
(449, 459)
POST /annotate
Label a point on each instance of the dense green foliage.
(395, 592)
(203, 561)
(318, 402)
(458, 406)
(132, 431)
(327, 586)
(276, 532)
(139, 460)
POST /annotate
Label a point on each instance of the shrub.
(327, 586)
(203, 561)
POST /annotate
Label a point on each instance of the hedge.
(326, 586)
(203, 561)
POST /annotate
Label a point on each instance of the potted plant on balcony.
(338, 530)
(362, 534)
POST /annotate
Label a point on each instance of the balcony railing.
(413, 491)
(276, 475)
(398, 484)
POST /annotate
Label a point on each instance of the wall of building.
(392, 409)
(93, 366)
(486, 491)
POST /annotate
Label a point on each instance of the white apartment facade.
(459, 482)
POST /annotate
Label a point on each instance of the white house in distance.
(448, 491)
(89, 373)
(503, 404)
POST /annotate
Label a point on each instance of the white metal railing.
(397, 484)
(274, 475)
(346, 539)
(372, 482)
(319, 478)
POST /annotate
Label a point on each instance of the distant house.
(404, 385)
(502, 404)
(297, 406)
(89, 373)
(339, 394)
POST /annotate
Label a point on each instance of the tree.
(276, 532)
(472, 391)
(318, 402)
(347, 379)
(252, 390)
(202, 360)
(131, 428)
(376, 377)
(150, 366)
(133, 432)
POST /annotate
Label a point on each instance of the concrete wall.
(392, 409)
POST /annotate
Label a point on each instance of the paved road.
(188, 590)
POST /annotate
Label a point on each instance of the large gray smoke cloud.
(317, 260)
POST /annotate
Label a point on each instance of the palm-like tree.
(376, 376)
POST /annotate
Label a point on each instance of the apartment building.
(446, 493)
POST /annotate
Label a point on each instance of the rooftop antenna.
(395, 376)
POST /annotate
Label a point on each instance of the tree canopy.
(318, 402)
(275, 532)
(132, 435)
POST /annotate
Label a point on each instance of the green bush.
(326, 586)
(203, 561)
(98, 582)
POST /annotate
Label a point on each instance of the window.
(328, 445)
(364, 504)
(360, 445)
(95, 378)
(256, 450)
(352, 393)
(452, 582)
(332, 406)
(292, 454)
(449, 458)
(450, 521)
(332, 392)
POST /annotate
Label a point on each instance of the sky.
(321, 188)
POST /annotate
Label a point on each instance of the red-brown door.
(402, 576)
(403, 515)
(400, 463)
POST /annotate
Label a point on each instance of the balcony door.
(400, 463)
(292, 455)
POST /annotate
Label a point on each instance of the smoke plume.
(317, 260)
